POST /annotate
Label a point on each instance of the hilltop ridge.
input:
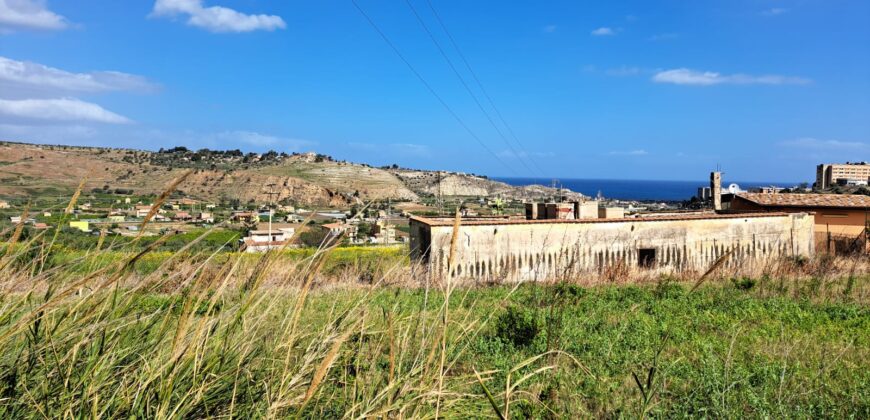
(297, 178)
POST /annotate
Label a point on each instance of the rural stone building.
(841, 220)
(517, 249)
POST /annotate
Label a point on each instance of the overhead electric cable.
(478, 82)
(428, 86)
(467, 88)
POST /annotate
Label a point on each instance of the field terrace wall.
(523, 250)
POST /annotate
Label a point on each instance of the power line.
(477, 81)
(465, 85)
(428, 86)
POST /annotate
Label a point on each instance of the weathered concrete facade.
(520, 250)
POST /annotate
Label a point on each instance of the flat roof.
(853, 201)
(448, 221)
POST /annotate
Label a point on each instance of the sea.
(638, 189)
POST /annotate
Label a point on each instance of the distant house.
(335, 229)
(384, 233)
(182, 216)
(41, 226)
(294, 218)
(141, 211)
(80, 225)
(205, 217)
(333, 215)
(188, 201)
(264, 240)
(840, 219)
(243, 216)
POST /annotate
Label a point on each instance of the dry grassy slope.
(25, 169)
(431, 182)
(343, 177)
(452, 184)
(29, 169)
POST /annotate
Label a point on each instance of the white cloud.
(775, 11)
(29, 14)
(28, 77)
(217, 18)
(635, 152)
(258, 139)
(550, 28)
(603, 31)
(828, 145)
(60, 134)
(58, 110)
(684, 76)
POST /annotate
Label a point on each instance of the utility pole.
(553, 185)
(271, 194)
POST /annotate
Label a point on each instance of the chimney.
(716, 189)
(531, 211)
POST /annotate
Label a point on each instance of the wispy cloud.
(550, 29)
(635, 152)
(811, 143)
(217, 18)
(24, 76)
(29, 14)
(684, 76)
(623, 71)
(664, 37)
(603, 31)
(775, 11)
(58, 110)
(256, 139)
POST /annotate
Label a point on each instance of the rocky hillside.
(302, 179)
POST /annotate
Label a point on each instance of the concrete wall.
(537, 250)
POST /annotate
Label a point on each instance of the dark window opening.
(425, 245)
(646, 257)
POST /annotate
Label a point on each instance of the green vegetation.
(175, 327)
(721, 351)
(323, 333)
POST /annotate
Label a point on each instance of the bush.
(517, 325)
(744, 283)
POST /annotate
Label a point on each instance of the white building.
(264, 240)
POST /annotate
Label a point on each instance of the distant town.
(268, 212)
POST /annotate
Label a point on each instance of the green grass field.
(724, 350)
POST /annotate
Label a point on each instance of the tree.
(314, 237)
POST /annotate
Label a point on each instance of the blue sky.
(635, 89)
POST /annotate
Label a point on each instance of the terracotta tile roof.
(435, 221)
(808, 200)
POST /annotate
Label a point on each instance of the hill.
(301, 179)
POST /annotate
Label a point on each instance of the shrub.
(517, 325)
(744, 283)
